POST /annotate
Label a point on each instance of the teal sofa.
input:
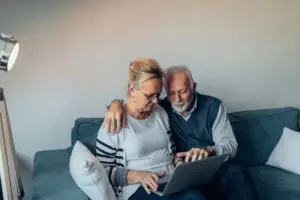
(257, 132)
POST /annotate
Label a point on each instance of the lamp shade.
(9, 48)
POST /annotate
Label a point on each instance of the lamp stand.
(10, 180)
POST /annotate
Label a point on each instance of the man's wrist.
(211, 150)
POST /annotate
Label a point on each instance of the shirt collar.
(191, 110)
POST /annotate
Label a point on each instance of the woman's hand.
(148, 180)
(114, 118)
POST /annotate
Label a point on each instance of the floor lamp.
(10, 179)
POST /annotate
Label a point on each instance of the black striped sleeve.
(109, 155)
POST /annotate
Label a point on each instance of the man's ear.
(194, 86)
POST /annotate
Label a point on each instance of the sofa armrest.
(52, 178)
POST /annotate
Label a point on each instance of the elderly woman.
(142, 153)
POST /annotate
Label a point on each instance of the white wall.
(74, 57)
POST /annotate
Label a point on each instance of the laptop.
(191, 174)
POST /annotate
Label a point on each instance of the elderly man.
(201, 128)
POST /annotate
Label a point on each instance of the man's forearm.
(223, 136)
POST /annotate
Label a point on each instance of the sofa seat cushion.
(275, 184)
(52, 179)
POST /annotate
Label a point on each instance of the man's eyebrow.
(177, 90)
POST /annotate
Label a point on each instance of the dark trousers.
(230, 183)
(188, 194)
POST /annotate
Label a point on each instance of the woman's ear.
(131, 89)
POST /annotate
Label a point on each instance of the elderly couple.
(144, 137)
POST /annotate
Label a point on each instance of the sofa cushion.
(275, 184)
(89, 174)
(286, 152)
(257, 132)
(85, 130)
(52, 179)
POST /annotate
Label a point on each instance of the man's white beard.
(184, 107)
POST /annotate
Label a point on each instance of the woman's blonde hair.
(143, 69)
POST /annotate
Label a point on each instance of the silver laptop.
(191, 174)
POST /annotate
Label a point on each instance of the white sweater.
(142, 145)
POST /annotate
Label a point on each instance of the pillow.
(89, 174)
(286, 152)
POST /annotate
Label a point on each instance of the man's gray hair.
(170, 71)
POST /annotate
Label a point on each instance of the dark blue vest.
(197, 130)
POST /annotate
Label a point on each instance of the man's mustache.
(179, 103)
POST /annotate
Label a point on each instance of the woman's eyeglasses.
(150, 98)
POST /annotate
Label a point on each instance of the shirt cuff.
(120, 178)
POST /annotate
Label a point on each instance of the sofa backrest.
(257, 132)
(85, 130)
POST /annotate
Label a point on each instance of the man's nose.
(178, 98)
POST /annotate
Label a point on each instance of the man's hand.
(178, 161)
(114, 118)
(195, 154)
(148, 180)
